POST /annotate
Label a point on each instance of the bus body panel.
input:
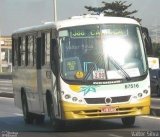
(26, 80)
(125, 96)
(77, 101)
(141, 107)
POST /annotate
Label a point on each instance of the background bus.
(86, 67)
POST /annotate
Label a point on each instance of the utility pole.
(0, 55)
(55, 10)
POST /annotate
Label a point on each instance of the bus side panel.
(24, 80)
(16, 89)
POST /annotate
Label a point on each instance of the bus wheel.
(128, 121)
(56, 123)
(158, 91)
(28, 117)
(39, 118)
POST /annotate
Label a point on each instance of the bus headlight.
(67, 96)
(62, 92)
(70, 98)
(74, 99)
(145, 91)
(140, 95)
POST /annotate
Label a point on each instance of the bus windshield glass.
(102, 52)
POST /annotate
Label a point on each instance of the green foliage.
(116, 8)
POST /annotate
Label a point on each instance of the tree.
(117, 8)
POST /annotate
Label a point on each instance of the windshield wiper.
(118, 67)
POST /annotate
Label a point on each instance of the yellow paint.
(154, 61)
(75, 88)
(79, 75)
(73, 111)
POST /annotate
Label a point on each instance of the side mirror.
(147, 40)
(54, 49)
(54, 42)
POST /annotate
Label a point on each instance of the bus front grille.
(103, 100)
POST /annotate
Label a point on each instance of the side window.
(26, 50)
(34, 50)
(22, 51)
(47, 48)
(19, 51)
(15, 51)
(43, 49)
(54, 53)
(30, 50)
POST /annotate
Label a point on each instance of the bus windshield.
(102, 52)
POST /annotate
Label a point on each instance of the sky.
(16, 14)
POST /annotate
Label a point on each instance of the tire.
(128, 121)
(158, 91)
(28, 117)
(39, 118)
(57, 124)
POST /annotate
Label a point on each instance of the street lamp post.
(0, 56)
(55, 9)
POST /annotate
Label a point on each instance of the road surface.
(12, 124)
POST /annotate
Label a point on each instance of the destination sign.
(84, 33)
(95, 33)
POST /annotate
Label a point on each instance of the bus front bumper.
(73, 111)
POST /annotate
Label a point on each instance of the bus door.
(43, 66)
(39, 74)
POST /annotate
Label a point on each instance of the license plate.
(109, 109)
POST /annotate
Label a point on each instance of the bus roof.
(79, 21)
(44, 26)
(94, 19)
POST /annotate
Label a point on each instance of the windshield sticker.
(79, 75)
(134, 72)
(114, 75)
(99, 74)
(71, 65)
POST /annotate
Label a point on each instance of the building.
(5, 54)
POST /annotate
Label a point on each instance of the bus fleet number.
(131, 86)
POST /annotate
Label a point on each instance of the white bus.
(86, 67)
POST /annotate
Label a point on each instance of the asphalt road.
(12, 125)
